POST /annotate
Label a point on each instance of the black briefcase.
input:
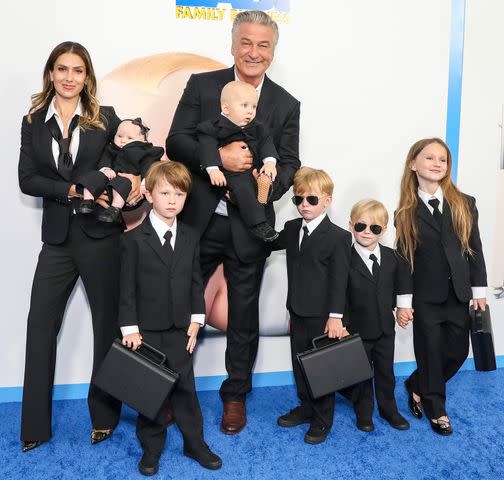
(482, 340)
(335, 365)
(139, 378)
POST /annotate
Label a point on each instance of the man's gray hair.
(254, 16)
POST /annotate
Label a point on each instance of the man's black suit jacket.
(277, 110)
(39, 176)
(150, 284)
(318, 274)
(371, 303)
(438, 259)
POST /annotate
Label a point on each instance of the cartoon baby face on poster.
(150, 88)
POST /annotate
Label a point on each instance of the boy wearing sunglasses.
(370, 304)
(318, 260)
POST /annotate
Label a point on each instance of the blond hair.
(307, 178)
(176, 174)
(374, 208)
(405, 215)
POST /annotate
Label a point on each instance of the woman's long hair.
(405, 218)
(90, 107)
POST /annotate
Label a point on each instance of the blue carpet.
(265, 451)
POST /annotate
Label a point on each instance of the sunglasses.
(360, 227)
(311, 199)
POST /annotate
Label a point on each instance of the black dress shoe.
(316, 434)
(148, 465)
(264, 231)
(365, 424)
(205, 457)
(294, 418)
(86, 207)
(397, 421)
(414, 407)
(98, 436)
(110, 215)
(27, 446)
(441, 427)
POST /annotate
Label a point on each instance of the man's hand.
(236, 157)
(192, 333)
(479, 303)
(217, 178)
(269, 168)
(133, 340)
(404, 316)
(334, 328)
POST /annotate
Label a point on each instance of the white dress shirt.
(312, 225)
(406, 301)
(364, 253)
(74, 145)
(161, 228)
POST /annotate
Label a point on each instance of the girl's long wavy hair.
(90, 107)
(405, 218)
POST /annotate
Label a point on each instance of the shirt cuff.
(198, 318)
(404, 301)
(209, 169)
(478, 292)
(336, 315)
(128, 330)
(270, 159)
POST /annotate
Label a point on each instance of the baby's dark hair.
(144, 129)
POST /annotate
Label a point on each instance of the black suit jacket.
(371, 303)
(277, 110)
(147, 277)
(438, 259)
(39, 176)
(318, 274)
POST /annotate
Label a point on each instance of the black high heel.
(98, 436)
(27, 446)
(414, 407)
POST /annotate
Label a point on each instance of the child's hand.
(269, 168)
(133, 340)
(192, 333)
(404, 316)
(479, 303)
(217, 178)
(109, 173)
(334, 328)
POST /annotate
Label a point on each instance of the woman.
(62, 137)
(437, 235)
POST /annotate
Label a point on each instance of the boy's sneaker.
(148, 465)
(264, 231)
(205, 457)
(316, 434)
(294, 418)
(110, 215)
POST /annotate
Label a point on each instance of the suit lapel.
(180, 243)
(424, 213)
(360, 266)
(152, 239)
(46, 142)
(316, 237)
(266, 100)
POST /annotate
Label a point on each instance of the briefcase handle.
(325, 337)
(150, 348)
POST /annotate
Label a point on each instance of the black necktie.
(306, 234)
(434, 203)
(376, 266)
(167, 245)
(65, 163)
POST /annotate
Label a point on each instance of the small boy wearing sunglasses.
(370, 303)
(318, 260)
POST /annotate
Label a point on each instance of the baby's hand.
(217, 178)
(269, 168)
(109, 173)
(133, 340)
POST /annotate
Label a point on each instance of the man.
(224, 237)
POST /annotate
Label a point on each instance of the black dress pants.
(96, 261)
(184, 401)
(302, 331)
(380, 353)
(441, 342)
(243, 285)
